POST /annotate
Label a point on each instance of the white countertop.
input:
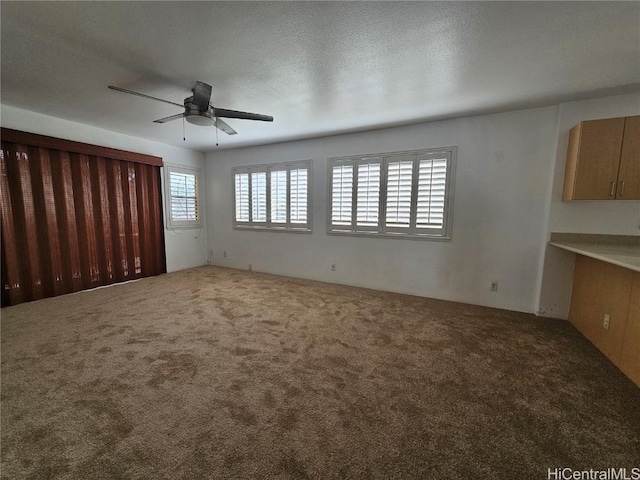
(623, 255)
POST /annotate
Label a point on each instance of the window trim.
(382, 231)
(170, 223)
(268, 226)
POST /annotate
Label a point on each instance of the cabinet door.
(629, 173)
(630, 357)
(598, 159)
(601, 288)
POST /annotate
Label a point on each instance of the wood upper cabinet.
(603, 160)
(629, 173)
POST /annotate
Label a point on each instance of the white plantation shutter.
(399, 187)
(184, 202)
(368, 195)
(432, 181)
(242, 197)
(279, 196)
(400, 194)
(341, 195)
(273, 197)
(182, 205)
(299, 192)
(259, 197)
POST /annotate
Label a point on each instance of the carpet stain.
(339, 382)
(410, 411)
(240, 412)
(49, 348)
(10, 391)
(291, 465)
(288, 420)
(337, 361)
(171, 366)
(119, 331)
(270, 322)
(241, 351)
(104, 386)
(291, 391)
(268, 399)
(108, 422)
(39, 435)
(237, 386)
(232, 460)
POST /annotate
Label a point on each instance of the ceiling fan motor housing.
(195, 116)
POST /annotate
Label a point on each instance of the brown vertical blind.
(73, 220)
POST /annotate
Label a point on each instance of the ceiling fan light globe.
(199, 119)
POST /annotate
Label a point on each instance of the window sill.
(184, 227)
(401, 236)
(272, 229)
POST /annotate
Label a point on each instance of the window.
(273, 197)
(183, 210)
(407, 194)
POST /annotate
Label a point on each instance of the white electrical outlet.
(250, 268)
(333, 267)
(494, 286)
(605, 322)
(224, 254)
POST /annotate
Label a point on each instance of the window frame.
(172, 224)
(269, 226)
(382, 230)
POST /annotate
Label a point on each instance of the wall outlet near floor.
(224, 254)
(605, 322)
(333, 267)
(494, 286)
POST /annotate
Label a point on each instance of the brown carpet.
(216, 373)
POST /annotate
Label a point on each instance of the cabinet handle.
(622, 188)
(613, 189)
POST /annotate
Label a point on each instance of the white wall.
(502, 187)
(615, 217)
(184, 248)
(508, 190)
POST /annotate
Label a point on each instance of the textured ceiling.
(319, 68)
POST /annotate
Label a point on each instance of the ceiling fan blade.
(202, 96)
(124, 90)
(221, 112)
(224, 126)
(168, 119)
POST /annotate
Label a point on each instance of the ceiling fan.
(199, 111)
